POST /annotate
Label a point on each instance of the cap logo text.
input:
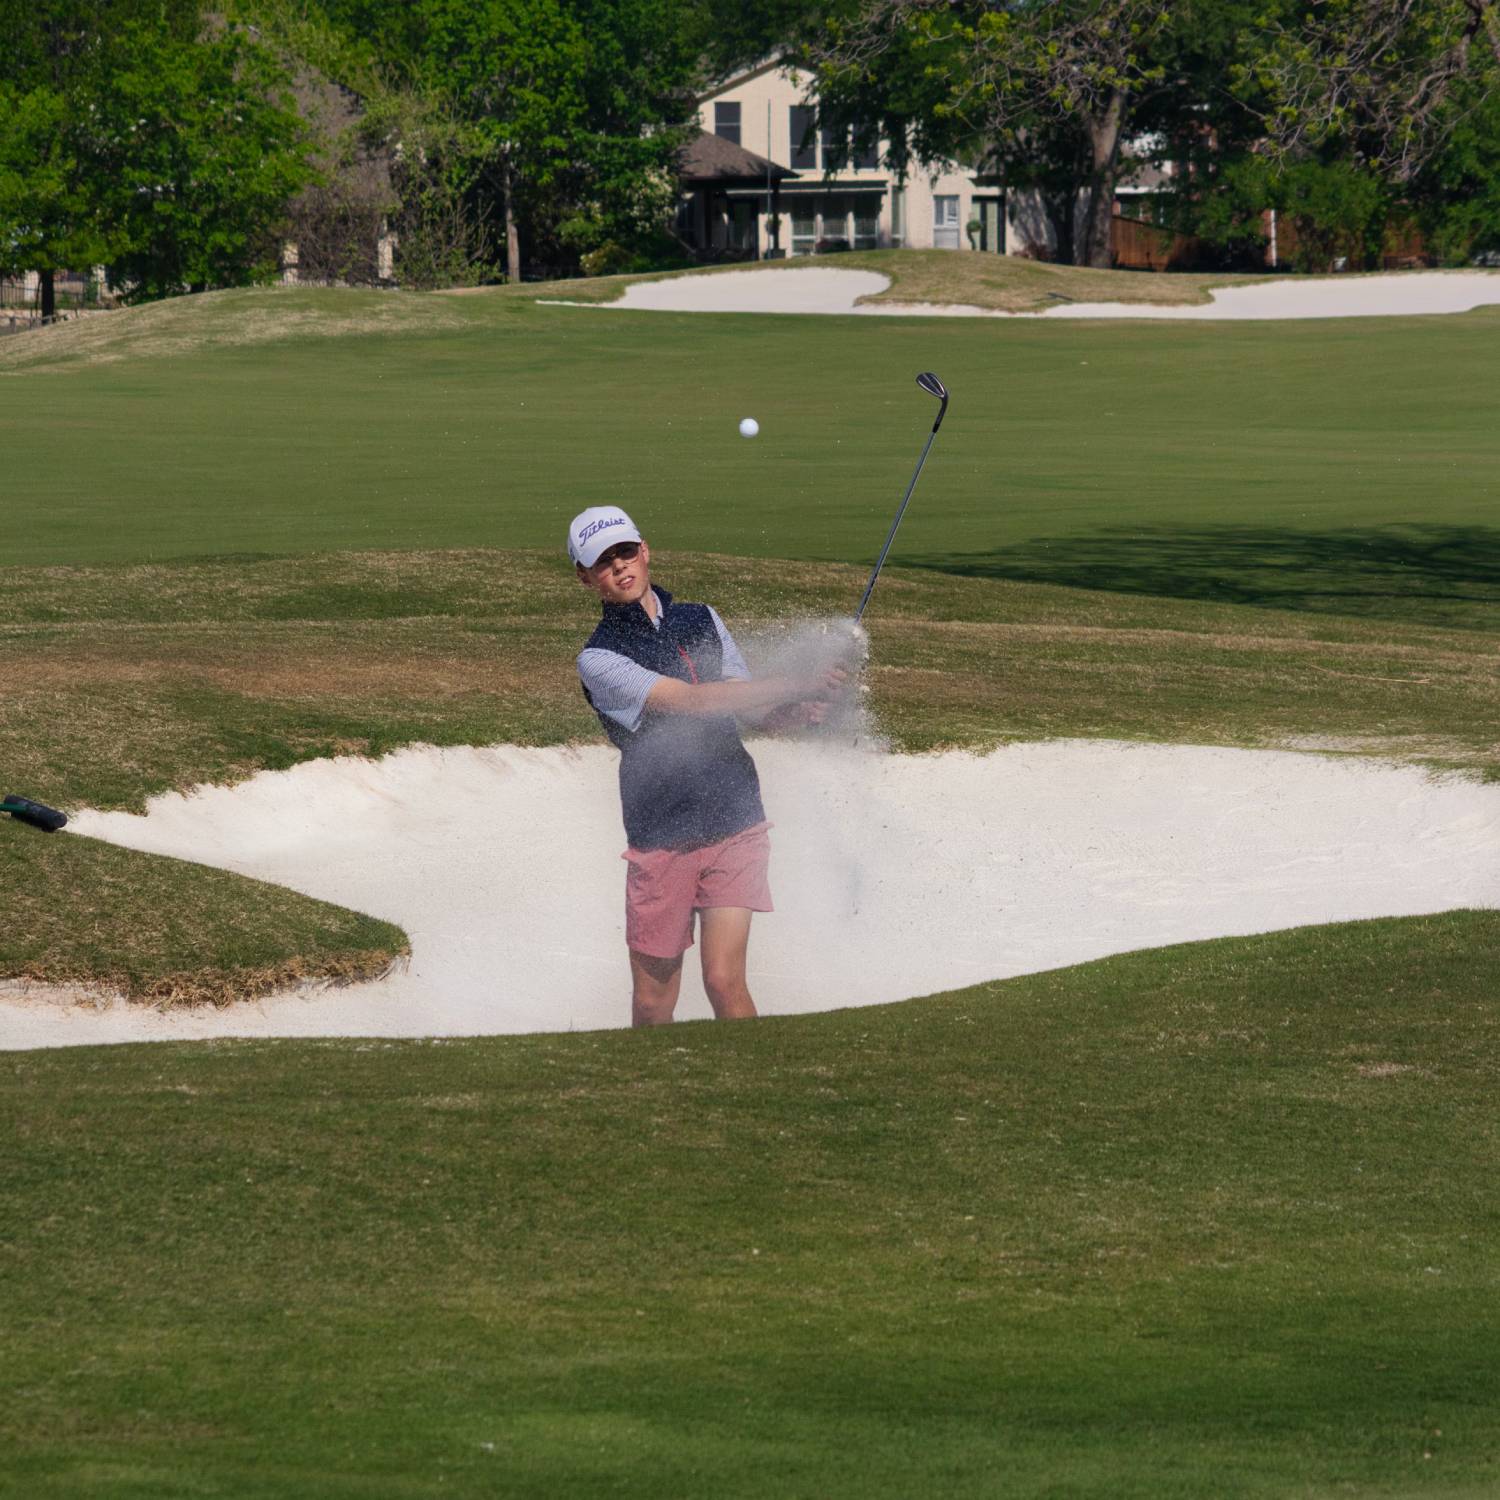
(594, 526)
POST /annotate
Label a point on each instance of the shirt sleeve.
(734, 665)
(616, 685)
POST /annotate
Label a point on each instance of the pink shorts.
(664, 887)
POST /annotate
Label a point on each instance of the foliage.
(48, 218)
(564, 114)
(1457, 194)
(1338, 212)
(1377, 81)
(151, 136)
(203, 150)
(442, 212)
(1049, 97)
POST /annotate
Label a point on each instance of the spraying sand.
(894, 876)
(825, 289)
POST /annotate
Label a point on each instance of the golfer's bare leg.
(724, 932)
(653, 988)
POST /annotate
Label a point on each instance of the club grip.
(38, 814)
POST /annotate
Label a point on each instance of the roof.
(710, 158)
(744, 75)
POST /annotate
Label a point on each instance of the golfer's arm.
(669, 695)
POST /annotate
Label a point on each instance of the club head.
(935, 387)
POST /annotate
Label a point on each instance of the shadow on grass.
(1436, 575)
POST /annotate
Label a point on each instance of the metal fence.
(74, 292)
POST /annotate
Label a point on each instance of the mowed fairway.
(1351, 465)
(1211, 1220)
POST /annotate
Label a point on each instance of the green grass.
(141, 679)
(169, 933)
(1212, 1220)
(1351, 467)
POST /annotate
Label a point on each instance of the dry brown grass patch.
(184, 989)
(227, 319)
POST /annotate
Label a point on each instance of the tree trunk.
(48, 288)
(1092, 246)
(1062, 210)
(512, 234)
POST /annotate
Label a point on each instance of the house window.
(835, 149)
(866, 222)
(742, 227)
(804, 142)
(727, 122)
(833, 224)
(804, 226)
(945, 222)
(866, 146)
(898, 216)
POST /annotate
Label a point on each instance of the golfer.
(668, 683)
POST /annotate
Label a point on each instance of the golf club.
(934, 387)
(38, 814)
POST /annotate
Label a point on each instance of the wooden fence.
(1136, 245)
(1402, 249)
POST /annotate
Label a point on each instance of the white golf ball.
(749, 427)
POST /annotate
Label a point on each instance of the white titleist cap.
(600, 527)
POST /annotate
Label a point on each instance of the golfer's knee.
(651, 1009)
(654, 991)
(728, 992)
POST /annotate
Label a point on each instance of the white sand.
(824, 289)
(815, 289)
(896, 876)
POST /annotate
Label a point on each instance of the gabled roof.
(710, 158)
(733, 80)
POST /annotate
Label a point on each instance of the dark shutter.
(727, 122)
(804, 142)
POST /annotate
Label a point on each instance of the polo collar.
(635, 614)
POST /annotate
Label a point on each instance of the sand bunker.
(896, 876)
(824, 289)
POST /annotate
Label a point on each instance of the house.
(730, 208)
(828, 191)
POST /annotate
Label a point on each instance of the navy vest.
(686, 780)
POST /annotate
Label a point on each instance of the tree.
(1042, 92)
(569, 109)
(56, 54)
(1383, 81)
(516, 67)
(202, 148)
(132, 133)
(48, 220)
(1366, 115)
(1456, 194)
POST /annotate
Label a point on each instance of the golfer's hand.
(827, 685)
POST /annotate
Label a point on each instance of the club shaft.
(880, 561)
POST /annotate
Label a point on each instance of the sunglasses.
(620, 552)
